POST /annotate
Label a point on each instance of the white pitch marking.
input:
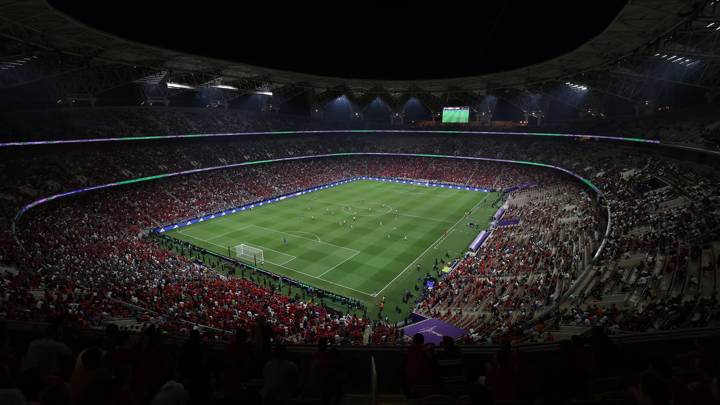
(333, 267)
(290, 268)
(430, 247)
(314, 240)
(306, 233)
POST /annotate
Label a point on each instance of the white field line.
(301, 237)
(442, 239)
(290, 268)
(202, 240)
(378, 215)
(286, 262)
(428, 248)
(267, 248)
(225, 247)
(425, 218)
(306, 233)
(217, 236)
(333, 267)
(328, 281)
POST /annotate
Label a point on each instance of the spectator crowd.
(88, 260)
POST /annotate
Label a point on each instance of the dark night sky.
(372, 39)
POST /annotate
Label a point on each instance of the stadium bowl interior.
(181, 226)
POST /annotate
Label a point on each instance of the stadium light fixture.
(264, 93)
(172, 85)
(678, 59)
(577, 86)
(10, 64)
(224, 86)
(710, 25)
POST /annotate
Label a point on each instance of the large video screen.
(456, 115)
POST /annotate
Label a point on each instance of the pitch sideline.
(438, 240)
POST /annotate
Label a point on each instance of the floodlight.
(224, 86)
(172, 85)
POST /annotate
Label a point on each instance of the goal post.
(248, 252)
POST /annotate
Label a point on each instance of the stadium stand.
(695, 126)
(87, 262)
(636, 232)
(596, 282)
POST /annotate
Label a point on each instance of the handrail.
(36, 327)
(327, 131)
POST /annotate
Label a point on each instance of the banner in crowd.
(478, 241)
(507, 222)
(433, 330)
(521, 186)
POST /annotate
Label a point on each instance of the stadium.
(514, 204)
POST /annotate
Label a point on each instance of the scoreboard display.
(456, 115)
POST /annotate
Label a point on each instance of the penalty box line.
(302, 237)
(273, 250)
(208, 241)
(335, 266)
(328, 281)
(356, 252)
(438, 240)
(214, 237)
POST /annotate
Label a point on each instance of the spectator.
(281, 377)
(324, 380)
(418, 364)
(90, 383)
(47, 355)
(171, 393)
(9, 394)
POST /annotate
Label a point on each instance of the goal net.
(244, 251)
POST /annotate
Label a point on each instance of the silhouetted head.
(240, 334)
(91, 358)
(56, 394)
(111, 330)
(280, 351)
(322, 344)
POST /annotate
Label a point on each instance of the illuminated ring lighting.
(585, 181)
(309, 132)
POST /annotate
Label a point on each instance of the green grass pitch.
(362, 239)
(456, 116)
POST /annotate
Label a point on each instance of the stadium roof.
(36, 23)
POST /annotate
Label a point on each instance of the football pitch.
(362, 239)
